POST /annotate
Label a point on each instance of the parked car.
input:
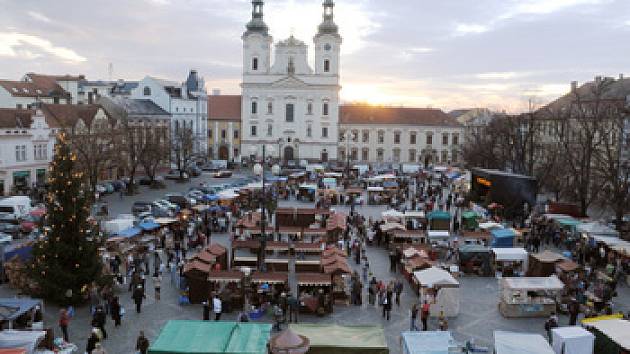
(222, 174)
(178, 199)
(158, 210)
(32, 220)
(10, 229)
(144, 181)
(140, 207)
(194, 171)
(174, 174)
(168, 205)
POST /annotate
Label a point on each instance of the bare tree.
(182, 149)
(155, 152)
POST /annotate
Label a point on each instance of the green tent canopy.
(469, 215)
(204, 337)
(469, 220)
(335, 339)
(439, 215)
(568, 222)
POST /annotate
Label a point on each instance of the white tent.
(393, 214)
(511, 255)
(534, 283)
(595, 228)
(572, 340)
(438, 235)
(617, 331)
(392, 226)
(490, 225)
(441, 282)
(520, 343)
(411, 214)
(21, 339)
(426, 342)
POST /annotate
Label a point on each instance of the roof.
(534, 283)
(12, 308)
(32, 89)
(616, 330)
(197, 265)
(365, 114)
(67, 115)
(216, 249)
(66, 77)
(611, 89)
(139, 107)
(355, 339)
(433, 342)
(205, 257)
(16, 118)
(435, 276)
(520, 343)
(548, 257)
(225, 275)
(270, 277)
(313, 279)
(224, 107)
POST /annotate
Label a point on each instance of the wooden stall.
(315, 291)
(228, 284)
(196, 273)
(543, 264)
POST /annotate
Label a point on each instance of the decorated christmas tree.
(65, 259)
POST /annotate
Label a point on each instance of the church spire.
(328, 25)
(257, 25)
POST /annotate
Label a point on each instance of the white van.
(13, 208)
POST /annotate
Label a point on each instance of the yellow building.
(224, 127)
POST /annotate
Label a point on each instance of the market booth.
(432, 342)
(27, 341)
(510, 262)
(475, 259)
(440, 289)
(611, 336)
(469, 220)
(572, 340)
(206, 337)
(543, 264)
(530, 296)
(439, 220)
(196, 273)
(502, 238)
(336, 339)
(520, 343)
(228, 284)
(315, 292)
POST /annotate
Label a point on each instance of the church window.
(254, 64)
(309, 108)
(254, 130)
(326, 65)
(309, 131)
(324, 132)
(325, 109)
(147, 91)
(289, 112)
(269, 108)
(254, 107)
(269, 129)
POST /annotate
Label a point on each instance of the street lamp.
(348, 136)
(259, 169)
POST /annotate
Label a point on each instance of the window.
(269, 108)
(325, 109)
(412, 155)
(269, 129)
(235, 134)
(254, 107)
(41, 151)
(455, 139)
(253, 130)
(381, 137)
(326, 65)
(365, 154)
(309, 108)
(354, 154)
(342, 135)
(309, 131)
(289, 111)
(223, 134)
(355, 136)
(396, 137)
(20, 153)
(210, 133)
(429, 138)
(412, 138)
(396, 152)
(254, 64)
(147, 91)
(18, 106)
(177, 127)
(324, 132)
(380, 155)
(454, 156)
(445, 139)
(235, 152)
(444, 156)
(366, 136)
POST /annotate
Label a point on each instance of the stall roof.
(129, 232)
(617, 330)
(279, 246)
(501, 233)
(12, 308)
(534, 283)
(337, 267)
(520, 343)
(21, 339)
(426, 342)
(392, 213)
(303, 211)
(149, 225)
(216, 249)
(408, 233)
(344, 339)
(568, 222)
(438, 234)
(474, 249)
(332, 251)
(165, 221)
(609, 241)
(270, 277)
(205, 257)
(435, 276)
(225, 276)
(469, 215)
(332, 259)
(490, 225)
(197, 266)
(313, 279)
(510, 254)
(240, 244)
(548, 257)
(309, 247)
(574, 339)
(439, 215)
(413, 214)
(205, 337)
(567, 265)
(389, 226)
(596, 228)
(375, 189)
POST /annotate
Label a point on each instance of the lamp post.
(259, 169)
(348, 136)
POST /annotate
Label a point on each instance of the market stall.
(402, 237)
(272, 282)
(475, 259)
(439, 220)
(510, 262)
(220, 254)
(27, 340)
(227, 283)
(543, 264)
(336, 339)
(611, 336)
(440, 289)
(520, 343)
(432, 342)
(438, 236)
(19, 313)
(306, 192)
(315, 291)
(206, 337)
(530, 296)
(501, 238)
(572, 340)
(392, 215)
(414, 219)
(196, 273)
(469, 220)
(475, 237)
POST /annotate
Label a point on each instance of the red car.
(33, 219)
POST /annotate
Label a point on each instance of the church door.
(224, 153)
(288, 153)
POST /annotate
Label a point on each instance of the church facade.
(288, 106)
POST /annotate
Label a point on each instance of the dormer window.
(147, 91)
(326, 65)
(254, 64)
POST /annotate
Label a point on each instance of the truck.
(14, 208)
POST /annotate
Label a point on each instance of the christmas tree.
(65, 259)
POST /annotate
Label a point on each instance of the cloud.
(544, 7)
(470, 28)
(39, 16)
(507, 75)
(26, 46)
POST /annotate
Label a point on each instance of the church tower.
(256, 42)
(327, 43)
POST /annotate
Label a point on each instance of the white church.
(287, 106)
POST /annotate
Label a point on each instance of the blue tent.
(390, 184)
(211, 197)
(439, 215)
(502, 238)
(214, 208)
(130, 232)
(24, 253)
(149, 225)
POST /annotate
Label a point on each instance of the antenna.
(110, 71)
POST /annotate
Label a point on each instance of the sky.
(448, 54)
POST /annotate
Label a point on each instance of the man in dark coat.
(138, 296)
(99, 320)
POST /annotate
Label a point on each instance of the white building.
(398, 135)
(26, 149)
(186, 102)
(286, 104)
(38, 88)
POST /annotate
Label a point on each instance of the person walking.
(442, 322)
(206, 311)
(138, 296)
(92, 340)
(216, 307)
(574, 311)
(99, 320)
(387, 305)
(424, 315)
(142, 344)
(372, 291)
(398, 288)
(157, 283)
(116, 311)
(64, 321)
(414, 316)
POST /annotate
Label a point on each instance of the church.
(288, 106)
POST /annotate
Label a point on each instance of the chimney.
(574, 86)
(216, 92)
(620, 76)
